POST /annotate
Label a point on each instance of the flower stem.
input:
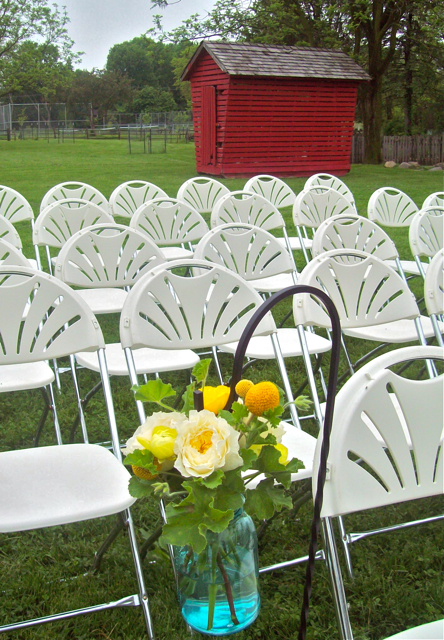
(227, 589)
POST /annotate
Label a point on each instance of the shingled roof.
(241, 59)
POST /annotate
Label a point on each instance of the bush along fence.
(426, 150)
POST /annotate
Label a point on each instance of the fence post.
(8, 135)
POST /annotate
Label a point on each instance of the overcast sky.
(96, 25)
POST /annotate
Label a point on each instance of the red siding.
(275, 125)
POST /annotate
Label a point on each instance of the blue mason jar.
(218, 589)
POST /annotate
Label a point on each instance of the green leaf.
(274, 415)
(214, 480)
(153, 391)
(139, 488)
(233, 480)
(200, 371)
(268, 460)
(248, 456)
(141, 458)
(228, 416)
(239, 412)
(265, 499)
(228, 500)
(188, 398)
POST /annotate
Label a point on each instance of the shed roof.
(242, 59)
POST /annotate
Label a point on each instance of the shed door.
(208, 131)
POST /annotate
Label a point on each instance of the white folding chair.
(170, 222)
(61, 220)
(9, 254)
(273, 189)
(15, 208)
(434, 293)
(333, 182)
(77, 191)
(129, 196)
(59, 485)
(316, 204)
(9, 233)
(434, 200)
(386, 447)
(202, 193)
(426, 235)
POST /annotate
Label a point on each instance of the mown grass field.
(399, 577)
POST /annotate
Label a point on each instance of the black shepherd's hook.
(331, 392)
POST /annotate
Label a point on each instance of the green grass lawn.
(399, 577)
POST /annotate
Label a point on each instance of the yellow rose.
(157, 434)
(280, 447)
(215, 398)
(205, 443)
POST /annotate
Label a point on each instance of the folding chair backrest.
(106, 256)
(250, 251)
(434, 285)
(391, 207)
(327, 180)
(46, 319)
(9, 233)
(129, 196)
(169, 221)
(426, 232)
(364, 290)
(202, 193)
(79, 190)
(247, 207)
(314, 205)
(9, 254)
(353, 232)
(273, 189)
(370, 460)
(60, 220)
(434, 200)
(13, 206)
(171, 310)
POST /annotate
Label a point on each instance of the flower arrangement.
(201, 464)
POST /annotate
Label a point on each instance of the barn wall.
(206, 72)
(288, 126)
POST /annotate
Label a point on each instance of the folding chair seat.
(202, 193)
(333, 182)
(434, 200)
(129, 196)
(58, 485)
(250, 208)
(371, 462)
(170, 222)
(434, 293)
(61, 220)
(316, 204)
(426, 235)
(74, 191)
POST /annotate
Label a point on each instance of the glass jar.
(218, 589)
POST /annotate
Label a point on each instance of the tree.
(152, 99)
(24, 20)
(369, 30)
(101, 89)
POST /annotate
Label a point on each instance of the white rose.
(167, 424)
(205, 443)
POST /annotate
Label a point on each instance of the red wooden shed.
(271, 109)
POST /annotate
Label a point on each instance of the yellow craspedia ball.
(242, 387)
(261, 397)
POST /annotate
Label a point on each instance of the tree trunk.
(408, 87)
(372, 116)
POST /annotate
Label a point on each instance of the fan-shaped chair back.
(353, 232)
(250, 208)
(170, 310)
(364, 290)
(61, 220)
(434, 200)
(168, 221)
(13, 206)
(9, 254)
(9, 233)
(327, 180)
(250, 251)
(202, 193)
(314, 205)
(426, 232)
(391, 207)
(106, 256)
(273, 189)
(378, 414)
(434, 284)
(55, 318)
(76, 190)
(129, 196)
